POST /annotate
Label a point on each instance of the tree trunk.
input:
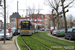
(58, 20)
(54, 23)
(64, 16)
(65, 21)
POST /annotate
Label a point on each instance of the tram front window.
(25, 26)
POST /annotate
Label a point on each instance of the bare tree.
(64, 12)
(55, 5)
(53, 18)
(61, 23)
(31, 11)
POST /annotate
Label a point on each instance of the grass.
(44, 35)
(21, 44)
(47, 43)
(35, 46)
(32, 44)
(15, 41)
(67, 43)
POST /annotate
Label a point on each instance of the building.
(1, 24)
(38, 20)
(48, 21)
(7, 25)
(13, 19)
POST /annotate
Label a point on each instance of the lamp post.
(17, 16)
(0, 3)
(4, 20)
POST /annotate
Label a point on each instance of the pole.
(17, 16)
(49, 25)
(37, 22)
(4, 20)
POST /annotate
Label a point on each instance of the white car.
(54, 32)
(8, 35)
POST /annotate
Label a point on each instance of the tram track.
(25, 44)
(51, 41)
(40, 43)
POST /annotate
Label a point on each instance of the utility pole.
(17, 16)
(0, 3)
(4, 20)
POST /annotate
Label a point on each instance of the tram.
(26, 28)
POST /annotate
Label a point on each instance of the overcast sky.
(22, 4)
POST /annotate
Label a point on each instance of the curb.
(17, 44)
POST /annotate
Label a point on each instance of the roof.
(14, 15)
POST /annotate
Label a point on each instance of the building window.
(42, 16)
(13, 24)
(12, 20)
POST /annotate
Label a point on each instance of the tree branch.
(68, 4)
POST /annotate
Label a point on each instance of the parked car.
(8, 34)
(54, 32)
(14, 31)
(60, 33)
(70, 34)
(47, 29)
(18, 31)
(42, 29)
(63, 30)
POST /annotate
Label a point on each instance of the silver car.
(8, 35)
(13, 31)
(54, 32)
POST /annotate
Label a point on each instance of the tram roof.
(25, 20)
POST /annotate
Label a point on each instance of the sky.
(11, 7)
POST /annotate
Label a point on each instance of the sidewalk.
(9, 44)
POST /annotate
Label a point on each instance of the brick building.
(48, 21)
(36, 20)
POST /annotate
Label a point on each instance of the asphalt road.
(9, 44)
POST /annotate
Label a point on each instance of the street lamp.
(4, 20)
(17, 16)
(0, 3)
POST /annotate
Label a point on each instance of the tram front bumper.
(25, 33)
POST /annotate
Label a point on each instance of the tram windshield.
(25, 25)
